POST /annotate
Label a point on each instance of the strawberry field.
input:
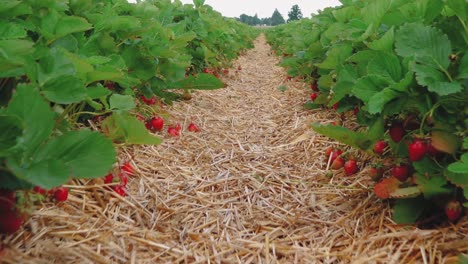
(401, 68)
(159, 132)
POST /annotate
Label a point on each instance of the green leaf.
(10, 130)
(366, 87)
(10, 30)
(86, 154)
(12, 56)
(385, 43)
(122, 102)
(459, 7)
(385, 64)
(344, 135)
(432, 185)
(65, 89)
(202, 81)
(125, 128)
(97, 91)
(37, 117)
(457, 173)
(378, 101)
(407, 211)
(463, 68)
(426, 166)
(46, 173)
(336, 55)
(71, 24)
(435, 80)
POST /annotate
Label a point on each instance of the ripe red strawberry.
(173, 131)
(7, 200)
(350, 167)
(148, 125)
(157, 123)
(127, 168)
(356, 110)
(417, 150)
(337, 163)
(239, 68)
(431, 150)
(178, 127)
(61, 194)
(39, 190)
(335, 106)
(10, 222)
(289, 78)
(328, 152)
(376, 173)
(120, 189)
(313, 96)
(397, 132)
(207, 70)
(109, 178)
(148, 101)
(336, 154)
(193, 128)
(379, 147)
(400, 172)
(314, 87)
(225, 71)
(453, 210)
(123, 179)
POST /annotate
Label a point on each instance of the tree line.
(275, 19)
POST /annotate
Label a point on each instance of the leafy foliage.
(75, 60)
(396, 62)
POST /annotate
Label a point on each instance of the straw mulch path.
(252, 187)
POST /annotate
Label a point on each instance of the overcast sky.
(265, 8)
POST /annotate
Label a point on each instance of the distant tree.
(295, 13)
(256, 20)
(277, 18)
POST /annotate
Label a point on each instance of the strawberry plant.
(404, 67)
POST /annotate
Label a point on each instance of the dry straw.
(251, 187)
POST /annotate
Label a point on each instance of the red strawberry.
(148, 101)
(39, 190)
(431, 150)
(335, 106)
(400, 172)
(336, 154)
(225, 71)
(379, 147)
(10, 222)
(453, 210)
(239, 68)
(157, 123)
(314, 87)
(173, 131)
(193, 128)
(313, 96)
(178, 127)
(109, 178)
(356, 110)
(376, 173)
(148, 125)
(123, 179)
(350, 167)
(207, 70)
(120, 189)
(289, 78)
(127, 168)
(337, 163)
(7, 200)
(61, 194)
(328, 152)
(397, 132)
(417, 150)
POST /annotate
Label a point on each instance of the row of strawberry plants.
(402, 67)
(66, 62)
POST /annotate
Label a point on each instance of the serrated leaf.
(385, 43)
(65, 89)
(385, 187)
(34, 112)
(125, 128)
(407, 211)
(336, 55)
(10, 130)
(432, 186)
(47, 173)
(98, 91)
(457, 172)
(366, 87)
(435, 80)
(86, 154)
(385, 64)
(122, 102)
(71, 24)
(378, 101)
(426, 166)
(404, 193)
(202, 81)
(344, 135)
